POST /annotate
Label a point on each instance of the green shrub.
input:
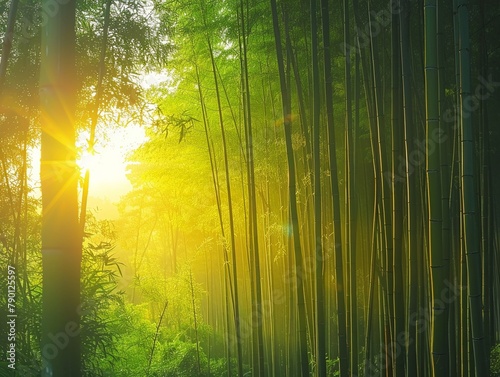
(495, 361)
(100, 273)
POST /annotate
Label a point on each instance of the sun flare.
(88, 161)
(108, 164)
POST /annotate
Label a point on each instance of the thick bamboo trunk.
(61, 246)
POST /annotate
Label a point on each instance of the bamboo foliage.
(95, 112)
(7, 41)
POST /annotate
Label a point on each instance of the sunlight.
(108, 164)
(105, 164)
(88, 161)
(107, 167)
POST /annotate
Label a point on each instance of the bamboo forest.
(266, 188)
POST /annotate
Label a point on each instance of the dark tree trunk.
(61, 246)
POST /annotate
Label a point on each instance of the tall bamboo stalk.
(61, 244)
(318, 231)
(228, 285)
(397, 187)
(439, 318)
(294, 226)
(195, 322)
(153, 346)
(468, 198)
(411, 189)
(95, 112)
(256, 289)
(446, 183)
(231, 215)
(334, 185)
(351, 202)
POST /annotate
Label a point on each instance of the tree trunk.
(61, 246)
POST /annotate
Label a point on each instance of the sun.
(107, 166)
(107, 169)
(88, 161)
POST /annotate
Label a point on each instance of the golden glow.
(108, 165)
(107, 168)
(88, 161)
